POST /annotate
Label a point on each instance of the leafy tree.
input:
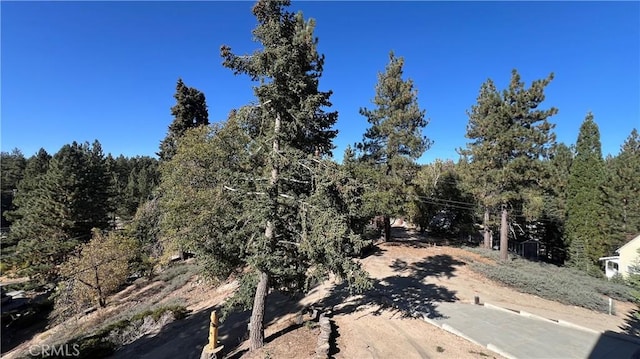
(621, 190)
(145, 229)
(190, 111)
(585, 227)
(261, 192)
(97, 270)
(510, 138)
(393, 143)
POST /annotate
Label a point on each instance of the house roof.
(628, 243)
(609, 258)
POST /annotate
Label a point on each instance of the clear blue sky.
(107, 70)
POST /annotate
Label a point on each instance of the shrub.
(564, 285)
(103, 342)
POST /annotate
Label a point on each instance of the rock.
(322, 351)
(207, 353)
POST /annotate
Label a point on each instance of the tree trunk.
(101, 300)
(487, 232)
(256, 326)
(504, 235)
(387, 228)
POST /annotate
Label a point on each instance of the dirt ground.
(411, 276)
(414, 276)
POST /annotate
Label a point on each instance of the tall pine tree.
(622, 188)
(586, 225)
(189, 111)
(13, 165)
(259, 191)
(393, 142)
(510, 138)
(59, 209)
(555, 203)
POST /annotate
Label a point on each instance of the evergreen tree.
(59, 210)
(96, 191)
(190, 111)
(24, 201)
(622, 188)
(13, 166)
(510, 138)
(134, 180)
(261, 192)
(586, 226)
(555, 203)
(393, 143)
(301, 226)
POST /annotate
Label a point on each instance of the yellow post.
(213, 331)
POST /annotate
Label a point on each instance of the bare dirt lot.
(411, 276)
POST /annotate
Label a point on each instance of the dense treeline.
(50, 203)
(259, 194)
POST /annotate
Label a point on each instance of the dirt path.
(410, 277)
(415, 277)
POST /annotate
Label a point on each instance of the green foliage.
(509, 136)
(288, 68)
(587, 225)
(633, 280)
(258, 191)
(197, 209)
(134, 180)
(554, 211)
(36, 167)
(189, 111)
(392, 143)
(396, 121)
(503, 165)
(548, 281)
(439, 193)
(621, 191)
(13, 165)
(57, 209)
(242, 298)
(145, 229)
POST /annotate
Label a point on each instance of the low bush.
(103, 342)
(176, 270)
(564, 285)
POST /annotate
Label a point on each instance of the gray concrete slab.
(520, 336)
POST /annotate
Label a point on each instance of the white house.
(626, 260)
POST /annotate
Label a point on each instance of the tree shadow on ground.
(401, 236)
(23, 319)
(631, 324)
(372, 250)
(187, 337)
(333, 340)
(405, 293)
(614, 345)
